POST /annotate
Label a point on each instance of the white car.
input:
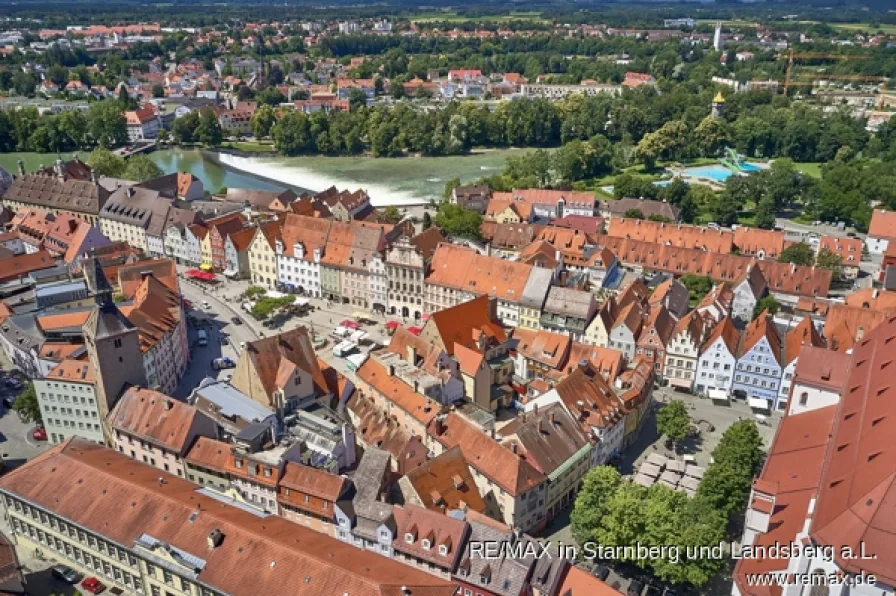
(206, 305)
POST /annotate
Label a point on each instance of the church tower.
(718, 106)
(112, 343)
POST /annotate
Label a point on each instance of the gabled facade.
(683, 351)
(759, 366)
(263, 255)
(718, 357)
(804, 334)
(747, 292)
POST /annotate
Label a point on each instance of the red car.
(187, 303)
(39, 434)
(93, 585)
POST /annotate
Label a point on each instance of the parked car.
(635, 588)
(93, 585)
(206, 305)
(222, 363)
(236, 320)
(224, 340)
(601, 572)
(653, 590)
(39, 434)
(14, 383)
(187, 303)
(65, 573)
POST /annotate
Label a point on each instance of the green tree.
(262, 121)
(391, 214)
(357, 99)
(140, 168)
(184, 128)
(698, 286)
(798, 254)
(449, 188)
(592, 502)
(158, 90)
(634, 214)
(765, 213)
(767, 303)
(106, 163)
(673, 421)
(427, 220)
(208, 131)
(456, 220)
(292, 134)
(828, 260)
(26, 405)
(106, 124)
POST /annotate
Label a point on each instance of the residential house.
(58, 193)
(626, 329)
(759, 243)
(236, 253)
(881, 231)
(819, 379)
(513, 489)
(654, 338)
(367, 521)
(508, 211)
(636, 393)
(230, 409)
(603, 269)
(804, 334)
(611, 210)
(261, 201)
(158, 430)
(407, 262)
(345, 205)
(299, 252)
(672, 295)
(475, 197)
(428, 540)
(718, 357)
(748, 290)
(555, 204)
(443, 484)
(683, 350)
(157, 237)
(71, 498)
(207, 463)
(281, 372)
(497, 576)
(716, 305)
(132, 212)
(309, 496)
(589, 399)
(142, 124)
(67, 400)
(848, 249)
(539, 353)
(758, 373)
(263, 254)
(219, 229)
(598, 331)
(568, 311)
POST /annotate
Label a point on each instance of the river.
(388, 181)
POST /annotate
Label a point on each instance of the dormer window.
(443, 550)
(239, 463)
(409, 538)
(426, 544)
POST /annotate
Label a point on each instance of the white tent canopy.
(718, 395)
(758, 403)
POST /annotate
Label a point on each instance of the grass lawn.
(888, 29)
(809, 168)
(250, 146)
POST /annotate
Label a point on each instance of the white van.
(202, 338)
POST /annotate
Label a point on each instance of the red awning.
(351, 324)
(425, 316)
(392, 324)
(415, 330)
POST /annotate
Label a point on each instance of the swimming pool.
(718, 172)
(660, 183)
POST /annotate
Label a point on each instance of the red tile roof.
(856, 504)
(110, 494)
(883, 224)
(155, 417)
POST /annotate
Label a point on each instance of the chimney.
(130, 191)
(21, 165)
(513, 447)
(440, 424)
(391, 370)
(168, 405)
(541, 427)
(60, 171)
(214, 539)
(458, 481)
(553, 418)
(535, 409)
